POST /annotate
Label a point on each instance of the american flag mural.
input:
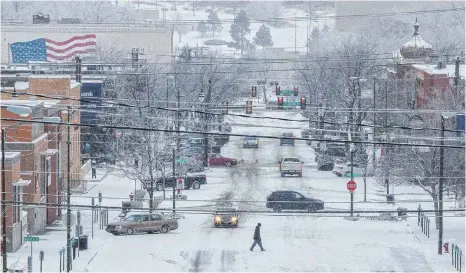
(44, 49)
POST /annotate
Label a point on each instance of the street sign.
(286, 92)
(182, 161)
(351, 186)
(354, 174)
(31, 239)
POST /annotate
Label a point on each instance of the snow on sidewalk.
(454, 228)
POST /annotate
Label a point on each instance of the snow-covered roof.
(48, 76)
(91, 81)
(49, 103)
(74, 84)
(21, 85)
(416, 47)
(432, 69)
(10, 155)
(22, 102)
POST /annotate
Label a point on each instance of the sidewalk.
(453, 233)
(54, 239)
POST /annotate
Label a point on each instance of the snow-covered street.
(293, 243)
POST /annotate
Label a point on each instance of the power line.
(230, 134)
(219, 114)
(285, 19)
(56, 205)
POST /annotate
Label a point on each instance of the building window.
(45, 178)
(18, 199)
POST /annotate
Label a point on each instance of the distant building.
(416, 59)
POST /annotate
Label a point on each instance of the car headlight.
(218, 219)
(118, 227)
(234, 219)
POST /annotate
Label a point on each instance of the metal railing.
(456, 257)
(424, 222)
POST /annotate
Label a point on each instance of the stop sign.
(351, 186)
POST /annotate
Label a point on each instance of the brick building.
(30, 140)
(16, 225)
(434, 76)
(56, 86)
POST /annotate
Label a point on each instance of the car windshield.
(133, 218)
(291, 160)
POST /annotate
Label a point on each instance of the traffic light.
(249, 107)
(254, 91)
(303, 103)
(280, 102)
(225, 108)
(277, 90)
(295, 90)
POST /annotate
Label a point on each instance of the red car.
(218, 160)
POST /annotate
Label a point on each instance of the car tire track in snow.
(202, 259)
(228, 260)
(410, 260)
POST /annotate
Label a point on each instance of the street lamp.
(69, 112)
(443, 117)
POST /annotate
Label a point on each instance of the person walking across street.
(93, 167)
(94, 172)
(257, 238)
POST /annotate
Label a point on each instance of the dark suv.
(291, 200)
(191, 181)
(289, 140)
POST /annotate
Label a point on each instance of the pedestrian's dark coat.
(257, 233)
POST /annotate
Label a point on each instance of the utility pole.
(78, 68)
(206, 127)
(295, 51)
(178, 119)
(174, 177)
(373, 135)
(387, 148)
(440, 187)
(308, 44)
(457, 74)
(68, 195)
(4, 256)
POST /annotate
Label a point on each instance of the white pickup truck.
(291, 165)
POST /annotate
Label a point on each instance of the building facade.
(16, 223)
(155, 40)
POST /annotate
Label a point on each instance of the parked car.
(220, 160)
(292, 200)
(196, 142)
(345, 169)
(137, 223)
(287, 139)
(291, 165)
(251, 142)
(226, 217)
(191, 181)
